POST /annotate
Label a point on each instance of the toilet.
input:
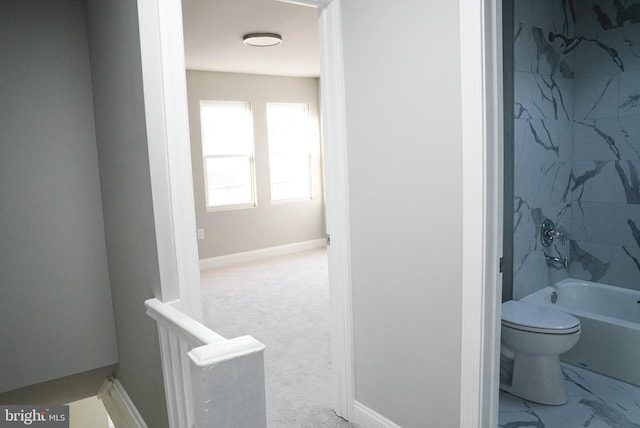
(533, 337)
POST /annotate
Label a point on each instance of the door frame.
(162, 55)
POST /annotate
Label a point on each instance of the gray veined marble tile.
(629, 93)
(551, 15)
(596, 97)
(627, 182)
(542, 184)
(629, 141)
(523, 11)
(629, 50)
(606, 223)
(542, 96)
(546, 58)
(595, 401)
(525, 229)
(598, 15)
(523, 47)
(625, 267)
(530, 274)
(607, 53)
(544, 141)
(599, 139)
(592, 181)
(590, 261)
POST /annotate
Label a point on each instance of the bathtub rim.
(570, 282)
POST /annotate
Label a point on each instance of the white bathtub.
(610, 318)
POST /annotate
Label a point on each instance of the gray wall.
(126, 196)
(55, 307)
(577, 143)
(268, 224)
(405, 170)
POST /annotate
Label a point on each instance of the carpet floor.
(284, 303)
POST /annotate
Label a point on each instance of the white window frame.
(250, 159)
(309, 154)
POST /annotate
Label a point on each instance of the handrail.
(181, 324)
(209, 381)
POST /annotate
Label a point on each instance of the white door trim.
(165, 102)
(334, 136)
(334, 130)
(481, 62)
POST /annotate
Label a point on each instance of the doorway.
(222, 71)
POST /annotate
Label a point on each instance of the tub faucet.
(555, 261)
(548, 233)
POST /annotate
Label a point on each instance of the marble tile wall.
(543, 133)
(605, 186)
(577, 141)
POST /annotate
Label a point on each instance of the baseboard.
(249, 256)
(121, 409)
(364, 417)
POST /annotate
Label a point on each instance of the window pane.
(226, 128)
(227, 146)
(228, 181)
(289, 151)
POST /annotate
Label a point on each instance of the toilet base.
(537, 378)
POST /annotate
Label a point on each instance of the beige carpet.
(284, 303)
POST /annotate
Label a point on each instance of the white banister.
(167, 314)
(209, 381)
(229, 380)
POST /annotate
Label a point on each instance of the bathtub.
(610, 318)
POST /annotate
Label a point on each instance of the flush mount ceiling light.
(262, 40)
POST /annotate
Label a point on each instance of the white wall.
(269, 224)
(127, 202)
(403, 97)
(56, 317)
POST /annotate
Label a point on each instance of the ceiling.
(213, 31)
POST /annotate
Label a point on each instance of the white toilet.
(533, 337)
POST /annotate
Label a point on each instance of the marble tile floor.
(595, 401)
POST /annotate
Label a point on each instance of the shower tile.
(592, 181)
(629, 48)
(606, 223)
(524, 49)
(590, 261)
(525, 231)
(629, 93)
(596, 97)
(626, 182)
(547, 14)
(629, 141)
(524, 83)
(523, 11)
(540, 55)
(544, 141)
(625, 267)
(530, 274)
(595, 401)
(602, 54)
(600, 139)
(542, 97)
(542, 184)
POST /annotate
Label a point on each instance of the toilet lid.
(527, 314)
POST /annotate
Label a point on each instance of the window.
(227, 146)
(289, 151)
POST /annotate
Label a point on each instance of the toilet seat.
(535, 318)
